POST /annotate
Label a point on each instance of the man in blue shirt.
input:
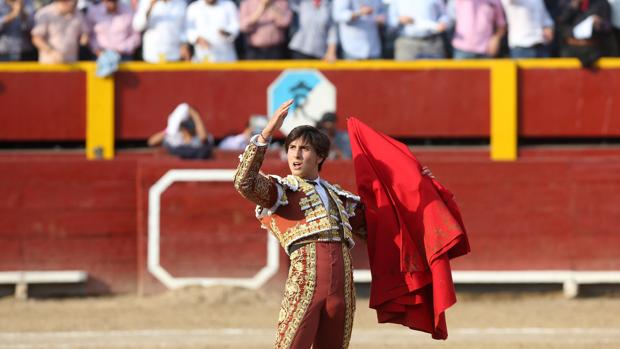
(419, 24)
(358, 22)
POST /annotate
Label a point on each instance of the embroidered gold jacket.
(292, 210)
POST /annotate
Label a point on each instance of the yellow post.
(99, 114)
(504, 110)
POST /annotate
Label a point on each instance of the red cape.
(414, 229)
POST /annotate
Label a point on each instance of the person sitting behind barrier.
(238, 142)
(185, 135)
(340, 143)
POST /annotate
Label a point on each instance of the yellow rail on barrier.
(503, 87)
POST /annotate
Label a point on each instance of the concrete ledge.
(21, 279)
(570, 279)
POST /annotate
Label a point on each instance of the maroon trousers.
(319, 299)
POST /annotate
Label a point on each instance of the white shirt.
(206, 21)
(163, 29)
(235, 142)
(526, 20)
(173, 135)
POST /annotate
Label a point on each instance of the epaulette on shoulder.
(289, 182)
(341, 192)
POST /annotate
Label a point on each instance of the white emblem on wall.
(312, 93)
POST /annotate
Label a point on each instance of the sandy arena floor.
(237, 318)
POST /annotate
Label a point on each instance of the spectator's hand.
(97, 52)
(16, 8)
(186, 55)
(380, 19)
(84, 39)
(442, 27)
(276, 121)
(597, 22)
(202, 43)
(548, 34)
(493, 46)
(365, 10)
(405, 20)
(55, 56)
(330, 56)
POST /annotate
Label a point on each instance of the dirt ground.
(237, 318)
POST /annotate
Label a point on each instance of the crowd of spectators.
(225, 30)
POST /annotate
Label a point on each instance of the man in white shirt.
(615, 19)
(162, 23)
(212, 26)
(530, 28)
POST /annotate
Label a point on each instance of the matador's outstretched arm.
(249, 182)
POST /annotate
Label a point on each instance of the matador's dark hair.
(311, 135)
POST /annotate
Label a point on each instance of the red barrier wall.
(569, 103)
(541, 212)
(554, 208)
(40, 106)
(206, 230)
(405, 103)
(401, 103)
(64, 212)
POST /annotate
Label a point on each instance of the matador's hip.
(319, 298)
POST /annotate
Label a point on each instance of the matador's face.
(303, 160)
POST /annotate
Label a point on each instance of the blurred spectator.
(358, 22)
(265, 23)
(212, 27)
(38, 4)
(185, 135)
(480, 26)
(16, 19)
(585, 31)
(530, 28)
(58, 31)
(340, 143)
(420, 25)
(256, 124)
(29, 51)
(162, 23)
(317, 35)
(109, 27)
(615, 20)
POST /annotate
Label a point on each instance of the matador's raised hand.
(276, 121)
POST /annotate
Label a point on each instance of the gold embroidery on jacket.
(248, 181)
(318, 224)
(349, 296)
(298, 294)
